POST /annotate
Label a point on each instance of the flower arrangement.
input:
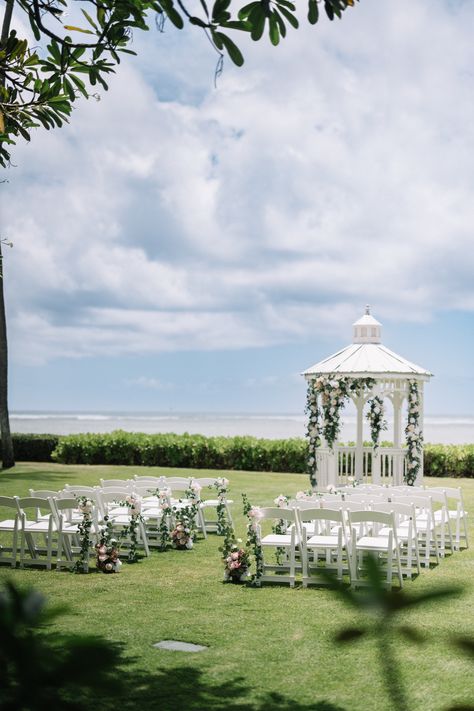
(181, 536)
(304, 495)
(253, 514)
(107, 549)
(236, 564)
(85, 506)
(375, 416)
(413, 434)
(312, 430)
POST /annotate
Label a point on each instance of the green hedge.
(34, 447)
(193, 451)
(196, 451)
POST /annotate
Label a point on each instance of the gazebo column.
(397, 401)
(359, 453)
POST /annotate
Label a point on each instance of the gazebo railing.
(388, 468)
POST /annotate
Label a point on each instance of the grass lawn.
(269, 648)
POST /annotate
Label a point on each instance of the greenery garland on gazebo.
(327, 395)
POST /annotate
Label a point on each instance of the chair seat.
(215, 502)
(276, 539)
(374, 543)
(39, 527)
(152, 512)
(322, 542)
(402, 532)
(7, 525)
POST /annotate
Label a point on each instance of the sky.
(191, 247)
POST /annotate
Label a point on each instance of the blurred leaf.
(233, 51)
(313, 12)
(78, 29)
(351, 634)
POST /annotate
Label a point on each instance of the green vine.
(133, 503)
(253, 543)
(85, 506)
(221, 485)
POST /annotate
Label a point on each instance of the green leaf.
(89, 19)
(313, 12)
(78, 29)
(257, 21)
(291, 18)
(198, 22)
(232, 50)
(219, 7)
(350, 634)
(236, 25)
(246, 10)
(281, 24)
(273, 30)
(329, 10)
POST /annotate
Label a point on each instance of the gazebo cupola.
(369, 374)
(367, 329)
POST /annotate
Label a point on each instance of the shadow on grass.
(42, 475)
(185, 687)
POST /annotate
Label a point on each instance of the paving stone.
(176, 646)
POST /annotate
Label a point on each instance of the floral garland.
(107, 549)
(414, 435)
(333, 391)
(280, 527)
(253, 514)
(134, 504)
(375, 416)
(312, 431)
(166, 511)
(85, 506)
(221, 485)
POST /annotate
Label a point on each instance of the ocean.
(442, 429)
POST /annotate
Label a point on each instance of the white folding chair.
(425, 525)
(405, 520)
(457, 515)
(36, 520)
(119, 517)
(284, 571)
(178, 486)
(9, 526)
(323, 531)
(66, 513)
(385, 546)
(213, 503)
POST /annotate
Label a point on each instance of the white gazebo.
(369, 374)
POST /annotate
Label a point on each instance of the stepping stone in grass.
(174, 646)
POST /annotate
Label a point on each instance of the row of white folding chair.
(38, 531)
(456, 514)
(370, 532)
(106, 503)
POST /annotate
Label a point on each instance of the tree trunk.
(8, 459)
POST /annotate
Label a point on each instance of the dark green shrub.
(34, 447)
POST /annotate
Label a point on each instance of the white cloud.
(331, 171)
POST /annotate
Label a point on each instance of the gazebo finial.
(367, 309)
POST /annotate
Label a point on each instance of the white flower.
(281, 501)
(189, 544)
(301, 495)
(255, 513)
(350, 479)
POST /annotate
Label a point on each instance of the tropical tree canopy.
(79, 44)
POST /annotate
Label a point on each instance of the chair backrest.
(451, 492)
(40, 507)
(403, 512)
(274, 512)
(380, 518)
(206, 481)
(366, 496)
(43, 493)
(76, 489)
(323, 520)
(143, 489)
(9, 502)
(344, 505)
(148, 478)
(177, 481)
(106, 483)
(304, 503)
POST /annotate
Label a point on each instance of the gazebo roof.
(367, 357)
